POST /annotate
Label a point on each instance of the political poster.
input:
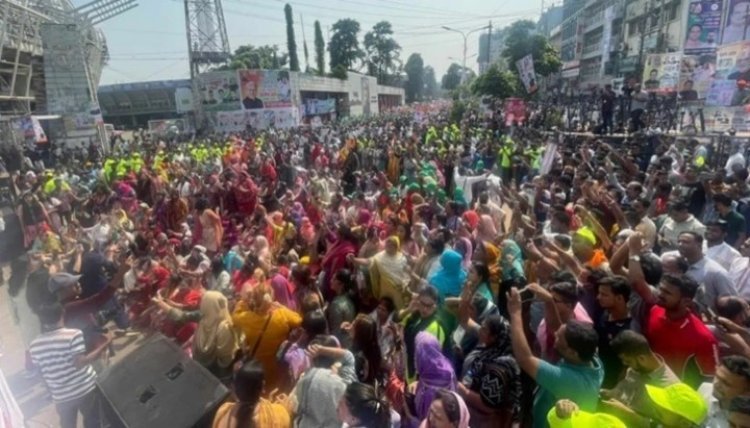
(525, 68)
(661, 72)
(696, 74)
(722, 119)
(28, 128)
(731, 84)
(703, 26)
(737, 25)
(515, 111)
(262, 118)
(219, 91)
(265, 89)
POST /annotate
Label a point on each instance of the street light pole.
(465, 35)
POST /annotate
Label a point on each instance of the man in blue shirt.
(577, 377)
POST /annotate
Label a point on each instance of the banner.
(183, 100)
(661, 72)
(703, 26)
(239, 120)
(165, 126)
(219, 90)
(515, 111)
(738, 19)
(314, 106)
(722, 119)
(265, 89)
(28, 128)
(730, 86)
(525, 67)
(696, 74)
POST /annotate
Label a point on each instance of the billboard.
(67, 83)
(730, 85)
(525, 67)
(696, 74)
(737, 22)
(703, 26)
(722, 119)
(219, 91)
(661, 72)
(265, 89)
(260, 118)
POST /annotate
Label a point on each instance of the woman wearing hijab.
(336, 257)
(448, 410)
(513, 274)
(463, 246)
(388, 275)
(435, 372)
(488, 254)
(450, 278)
(491, 386)
(283, 291)
(262, 250)
(215, 343)
(266, 325)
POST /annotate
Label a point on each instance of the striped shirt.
(54, 354)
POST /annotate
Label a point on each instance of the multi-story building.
(550, 18)
(650, 26)
(492, 54)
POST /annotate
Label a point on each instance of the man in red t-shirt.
(672, 330)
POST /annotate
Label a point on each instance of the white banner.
(525, 67)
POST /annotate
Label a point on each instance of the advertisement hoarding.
(265, 89)
(661, 72)
(703, 26)
(730, 85)
(737, 22)
(219, 91)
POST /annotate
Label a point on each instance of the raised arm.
(521, 349)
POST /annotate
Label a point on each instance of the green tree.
(430, 82)
(320, 50)
(522, 40)
(452, 78)
(256, 57)
(291, 44)
(344, 46)
(414, 86)
(496, 83)
(382, 52)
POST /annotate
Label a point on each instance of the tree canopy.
(252, 57)
(291, 43)
(382, 52)
(320, 51)
(414, 86)
(344, 46)
(522, 40)
(452, 78)
(493, 82)
(430, 82)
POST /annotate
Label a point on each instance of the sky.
(149, 42)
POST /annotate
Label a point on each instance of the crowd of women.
(391, 272)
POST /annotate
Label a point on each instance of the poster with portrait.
(696, 74)
(703, 26)
(730, 86)
(737, 24)
(722, 119)
(219, 91)
(525, 68)
(515, 111)
(661, 72)
(265, 89)
(239, 120)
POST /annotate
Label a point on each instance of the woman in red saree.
(335, 258)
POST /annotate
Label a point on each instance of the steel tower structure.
(208, 44)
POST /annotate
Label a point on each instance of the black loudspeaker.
(157, 385)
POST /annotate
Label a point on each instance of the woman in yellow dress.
(266, 325)
(250, 409)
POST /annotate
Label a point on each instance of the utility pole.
(489, 42)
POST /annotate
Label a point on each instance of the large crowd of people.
(394, 272)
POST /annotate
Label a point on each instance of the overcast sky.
(149, 42)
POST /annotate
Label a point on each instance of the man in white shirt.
(713, 279)
(717, 249)
(679, 220)
(464, 182)
(739, 272)
(732, 382)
